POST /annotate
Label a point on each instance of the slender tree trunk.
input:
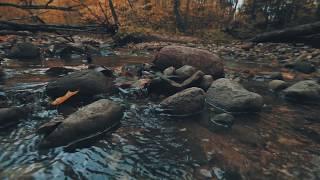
(179, 21)
(253, 10)
(113, 12)
(234, 11)
(186, 17)
(318, 10)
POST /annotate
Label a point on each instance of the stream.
(281, 142)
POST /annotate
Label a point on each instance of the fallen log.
(97, 29)
(19, 33)
(292, 34)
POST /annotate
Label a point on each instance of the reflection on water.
(272, 144)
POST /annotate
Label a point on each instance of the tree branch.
(46, 6)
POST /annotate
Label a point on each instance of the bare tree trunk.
(186, 17)
(318, 10)
(113, 12)
(179, 21)
(253, 10)
(234, 11)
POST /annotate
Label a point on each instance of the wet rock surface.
(87, 82)
(304, 67)
(170, 71)
(89, 120)
(10, 116)
(185, 71)
(164, 85)
(279, 142)
(206, 82)
(222, 121)
(58, 71)
(25, 51)
(277, 85)
(187, 102)
(303, 90)
(232, 97)
(178, 56)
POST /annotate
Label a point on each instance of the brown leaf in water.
(142, 83)
(289, 141)
(288, 76)
(4, 38)
(64, 98)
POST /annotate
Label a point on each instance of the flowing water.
(281, 142)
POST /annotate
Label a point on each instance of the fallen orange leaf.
(142, 83)
(64, 98)
(288, 76)
(4, 38)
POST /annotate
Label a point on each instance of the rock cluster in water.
(277, 72)
(178, 56)
(191, 79)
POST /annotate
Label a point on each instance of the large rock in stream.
(87, 121)
(24, 51)
(87, 82)
(186, 102)
(178, 56)
(303, 90)
(9, 116)
(232, 97)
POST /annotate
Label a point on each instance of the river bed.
(281, 142)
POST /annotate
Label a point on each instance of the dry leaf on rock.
(64, 98)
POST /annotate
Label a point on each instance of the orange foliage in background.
(50, 16)
(156, 14)
(186, 15)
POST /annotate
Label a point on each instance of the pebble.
(206, 173)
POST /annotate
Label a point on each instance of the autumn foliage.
(173, 15)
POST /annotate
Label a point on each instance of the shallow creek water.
(281, 142)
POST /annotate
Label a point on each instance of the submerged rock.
(123, 38)
(2, 73)
(303, 90)
(304, 67)
(276, 76)
(48, 127)
(87, 121)
(24, 51)
(277, 85)
(206, 82)
(178, 56)
(58, 71)
(65, 51)
(105, 70)
(87, 82)
(221, 121)
(12, 115)
(185, 71)
(166, 86)
(186, 102)
(169, 71)
(232, 97)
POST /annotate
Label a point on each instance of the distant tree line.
(280, 13)
(186, 16)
